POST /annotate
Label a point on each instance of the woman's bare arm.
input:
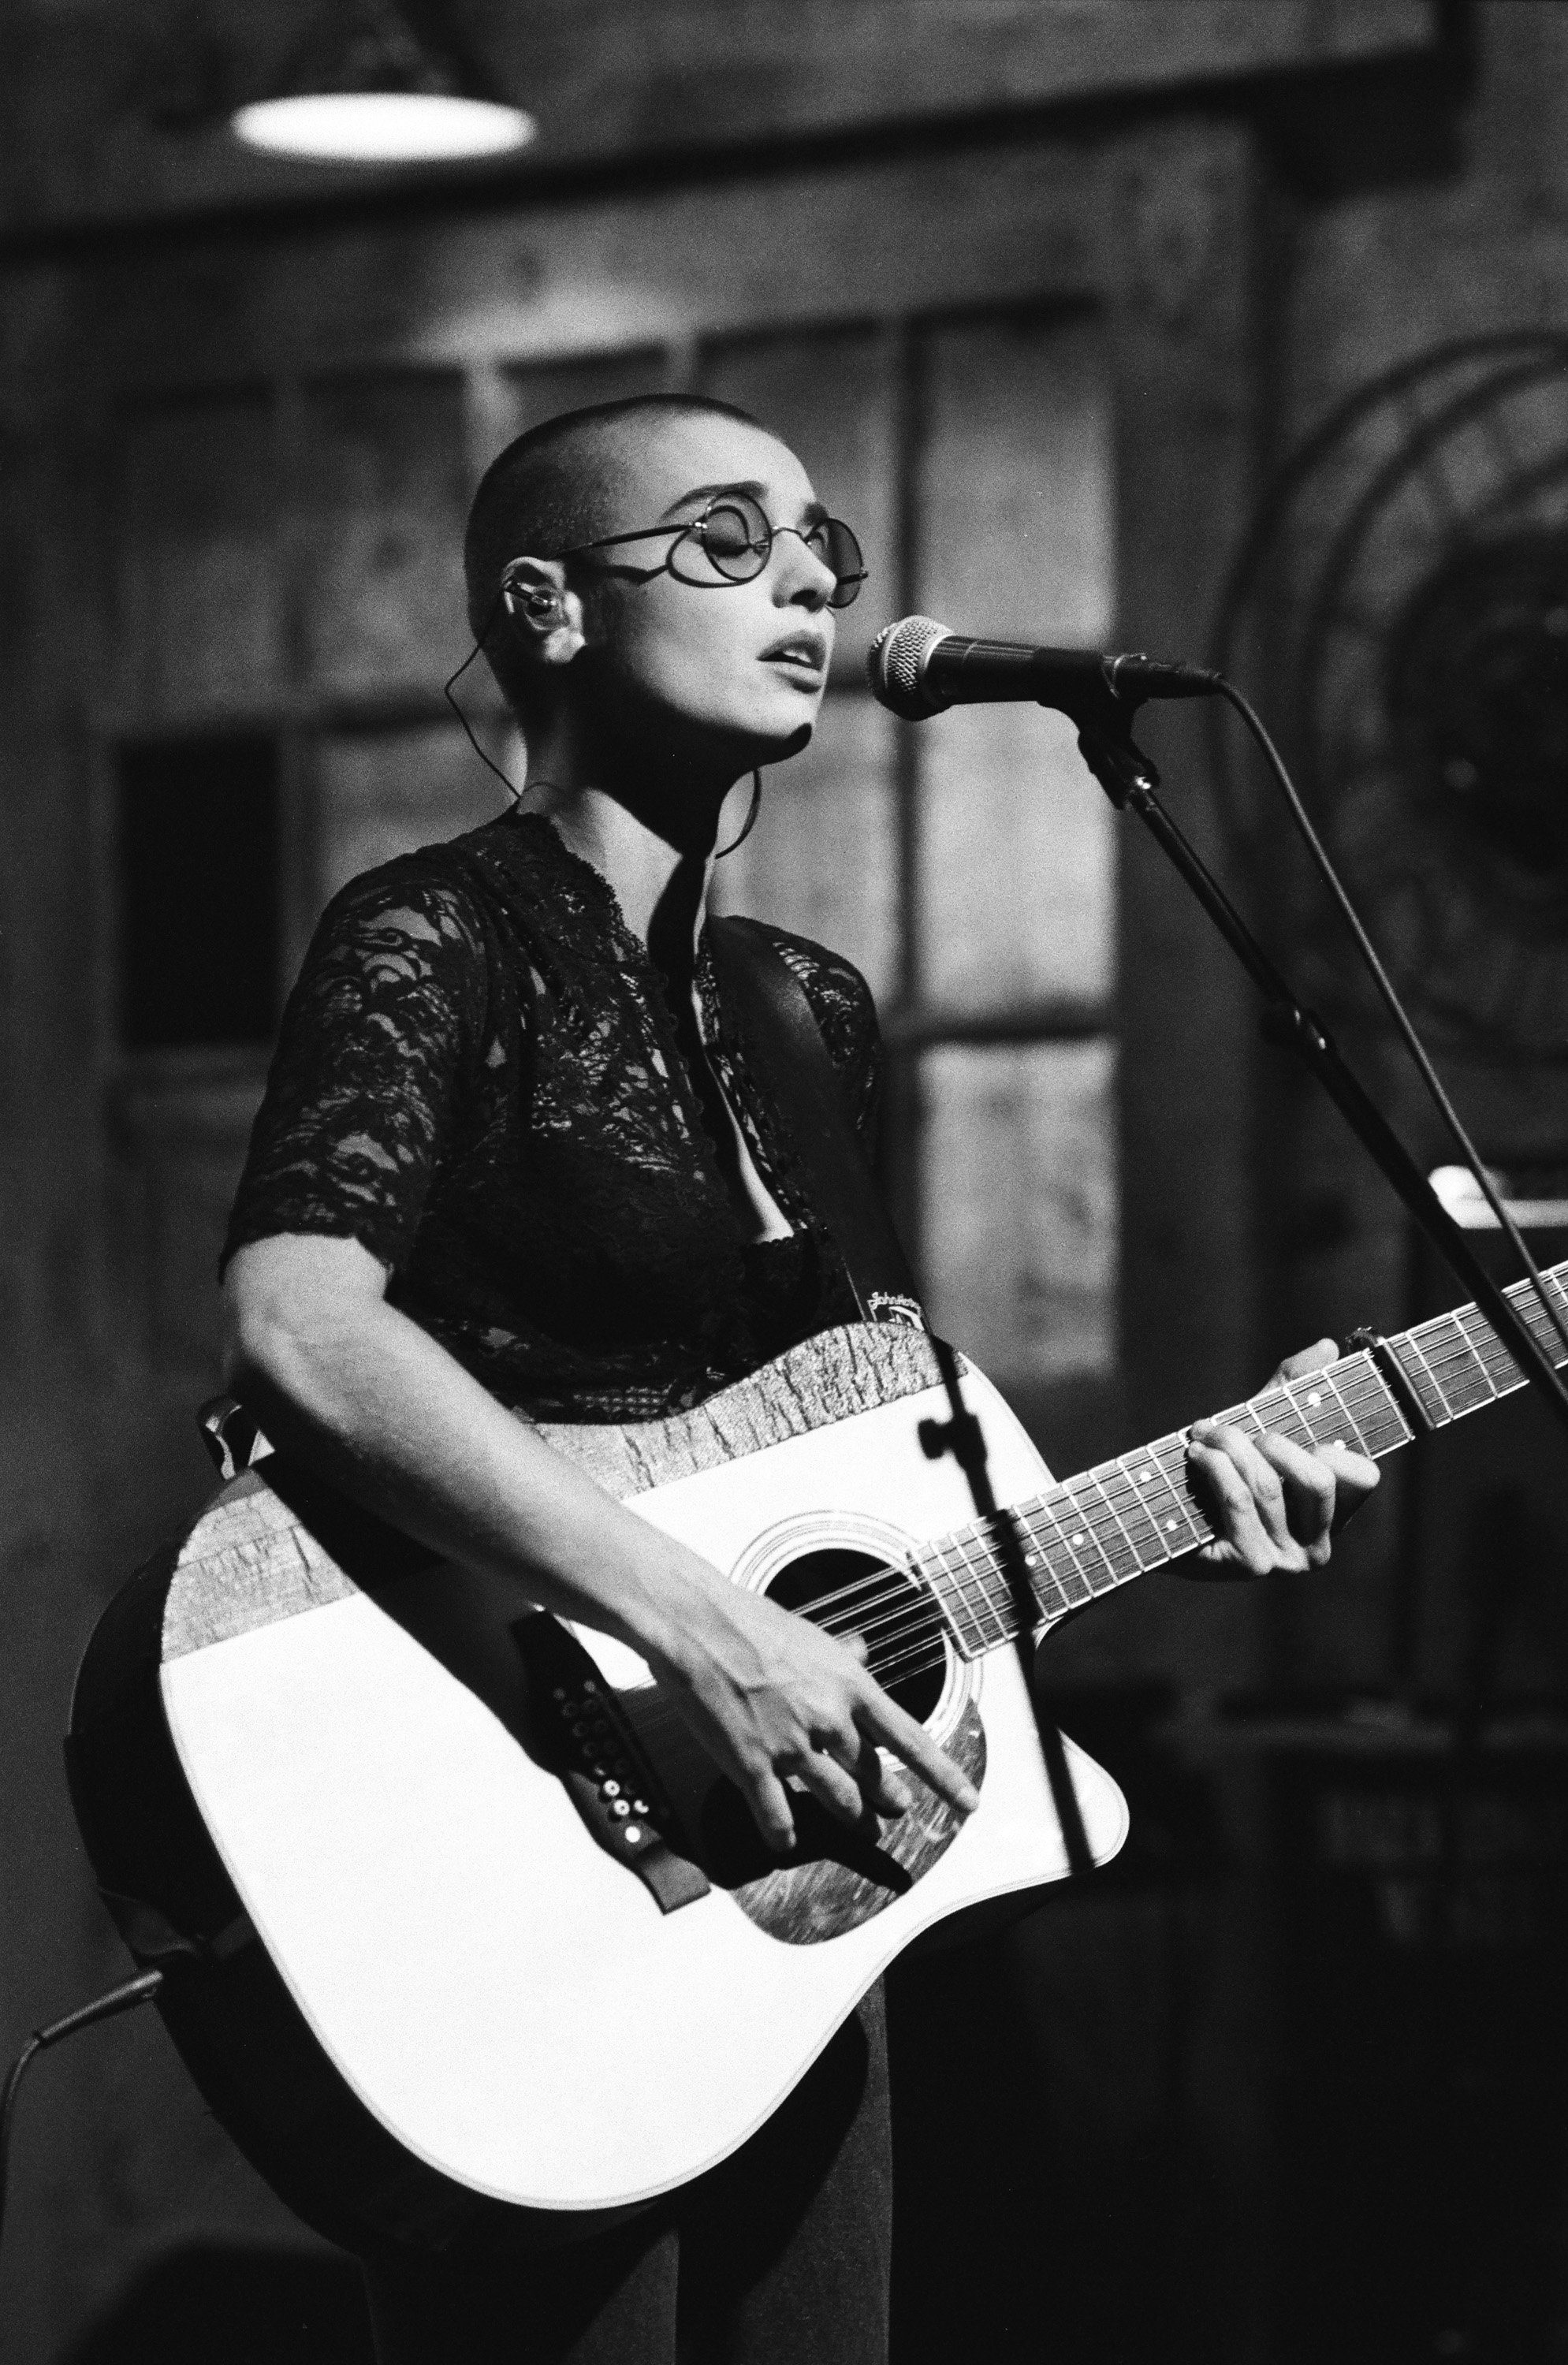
(368, 1397)
(362, 1394)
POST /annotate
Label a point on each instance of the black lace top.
(478, 1078)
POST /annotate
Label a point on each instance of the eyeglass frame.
(723, 582)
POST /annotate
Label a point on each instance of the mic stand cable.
(1130, 780)
(1384, 984)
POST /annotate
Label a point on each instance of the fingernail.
(969, 1799)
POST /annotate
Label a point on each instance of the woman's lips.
(802, 654)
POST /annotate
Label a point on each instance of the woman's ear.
(548, 617)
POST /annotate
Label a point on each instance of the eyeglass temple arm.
(610, 541)
(651, 533)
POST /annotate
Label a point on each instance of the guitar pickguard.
(853, 1877)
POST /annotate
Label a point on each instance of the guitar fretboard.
(1110, 1524)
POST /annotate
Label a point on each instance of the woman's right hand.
(365, 1394)
(775, 1699)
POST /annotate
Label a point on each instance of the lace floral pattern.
(478, 1078)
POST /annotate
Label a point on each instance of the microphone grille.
(896, 663)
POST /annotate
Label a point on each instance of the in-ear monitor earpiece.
(539, 604)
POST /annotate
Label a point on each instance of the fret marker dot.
(1315, 1399)
(1075, 1539)
(1144, 1476)
(1170, 1527)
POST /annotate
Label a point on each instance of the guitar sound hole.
(894, 1610)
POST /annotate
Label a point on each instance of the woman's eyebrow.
(812, 514)
(706, 492)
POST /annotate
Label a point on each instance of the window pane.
(1020, 1206)
(1015, 539)
(830, 396)
(197, 619)
(1017, 887)
(196, 845)
(543, 391)
(1016, 522)
(381, 793)
(192, 1149)
(385, 501)
(821, 860)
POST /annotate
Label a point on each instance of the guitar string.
(907, 1594)
(914, 1594)
(912, 1634)
(1167, 1455)
(848, 1613)
(911, 1615)
(912, 1657)
(892, 1598)
(924, 1656)
(1103, 1526)
(911, 1611)
(898, 1614)
(912, 1623)
(1111, 1542)
(921, 1647)
(1354, 1375)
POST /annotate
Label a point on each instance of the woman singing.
(513, 1158)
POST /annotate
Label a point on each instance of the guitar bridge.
(588, 1745)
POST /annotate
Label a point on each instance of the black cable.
(139, 1991)
(1391, 1003)
(449, 691)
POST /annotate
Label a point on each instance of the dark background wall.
(1087, 275)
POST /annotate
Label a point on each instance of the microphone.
(918, 668)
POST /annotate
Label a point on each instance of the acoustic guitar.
(466, 1941)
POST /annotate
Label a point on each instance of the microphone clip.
(1122, 770)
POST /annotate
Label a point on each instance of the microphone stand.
(1130, 780)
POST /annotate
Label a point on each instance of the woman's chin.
(785, 742)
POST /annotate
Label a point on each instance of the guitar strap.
(796, 1068)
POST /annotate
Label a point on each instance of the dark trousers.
(778, 2256)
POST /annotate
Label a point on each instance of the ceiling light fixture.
(377, 84)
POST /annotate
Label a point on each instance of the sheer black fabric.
(478, 1078)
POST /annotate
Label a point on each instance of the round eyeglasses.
(733, 540)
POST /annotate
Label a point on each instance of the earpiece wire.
(449, 691)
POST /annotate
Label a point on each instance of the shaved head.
(555, 487)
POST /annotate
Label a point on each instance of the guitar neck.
(1086, 1535)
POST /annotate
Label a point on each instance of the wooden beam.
(643, 87)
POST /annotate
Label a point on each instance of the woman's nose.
(811, 583)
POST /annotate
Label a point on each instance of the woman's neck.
(660, 876)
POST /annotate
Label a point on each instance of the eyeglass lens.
(735, 537)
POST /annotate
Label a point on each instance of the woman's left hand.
(1275, 1503)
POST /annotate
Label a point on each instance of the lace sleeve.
(362, 1096)
(841, 1001)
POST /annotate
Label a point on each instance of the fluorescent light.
(374, 82)
(1463, 1199)
(383, 126)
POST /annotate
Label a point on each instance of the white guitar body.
(445, 1973)
(502, 1994)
